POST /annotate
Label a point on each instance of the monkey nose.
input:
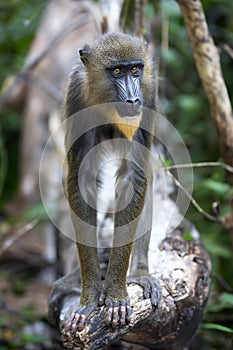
(133, 106)
(134, 102)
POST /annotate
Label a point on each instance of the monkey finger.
(128, 313)
(70, 322)
(122, 314)
(109, 307)
(115, 316)
(112, 313)
(125, 312)
(81, 323)
(102, 299)
(118, 313)
(147, 292)
(74, 323)
(156, 295)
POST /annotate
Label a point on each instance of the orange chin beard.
(127, 125)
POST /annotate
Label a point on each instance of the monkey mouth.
(127, 111)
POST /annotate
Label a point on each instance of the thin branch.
(222, 281)
(200, 165)
(192, 200)
(20, 232)
(227, 49)
(44, 84)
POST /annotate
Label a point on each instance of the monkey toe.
(152, 288)
(78, 318)
(118, 312)
(102, 298)
(154, 292)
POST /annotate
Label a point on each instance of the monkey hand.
(118, 310)
(77, 320)
(152, 288)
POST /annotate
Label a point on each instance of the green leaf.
(219, 250)
(166, 161)
(225, 302)
(188, 237)
(30, 338)
(189, 103)
(219, 188)
(217, 327)
(37, 211)
(2, 321)
(227, 298)
(171, 8)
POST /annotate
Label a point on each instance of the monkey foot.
(152, 288)
(78, 318)
(118, 311)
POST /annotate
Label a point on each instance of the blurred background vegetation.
(182, 100)
(18, 22)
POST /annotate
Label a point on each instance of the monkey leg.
(115, 294)
(91, 287)
(139, 270)
(84, 222)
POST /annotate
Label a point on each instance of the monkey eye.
(117, 71)
(135, 70)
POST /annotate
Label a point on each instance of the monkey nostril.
(133, 102)
(132, 107)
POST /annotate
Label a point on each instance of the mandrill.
(107, 119)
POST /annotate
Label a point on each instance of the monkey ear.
(84, 54)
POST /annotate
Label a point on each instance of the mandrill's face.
(126, 78)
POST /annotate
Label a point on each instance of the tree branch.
(183, 269)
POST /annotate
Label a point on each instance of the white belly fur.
(106, 199)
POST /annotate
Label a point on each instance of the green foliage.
(183, 100)
(188, 237)
(216, 326)
(37, 211)
(18, 22)
(224, 302)
(32, 339)
(10, 123)
(219, 189)
(2, 165)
